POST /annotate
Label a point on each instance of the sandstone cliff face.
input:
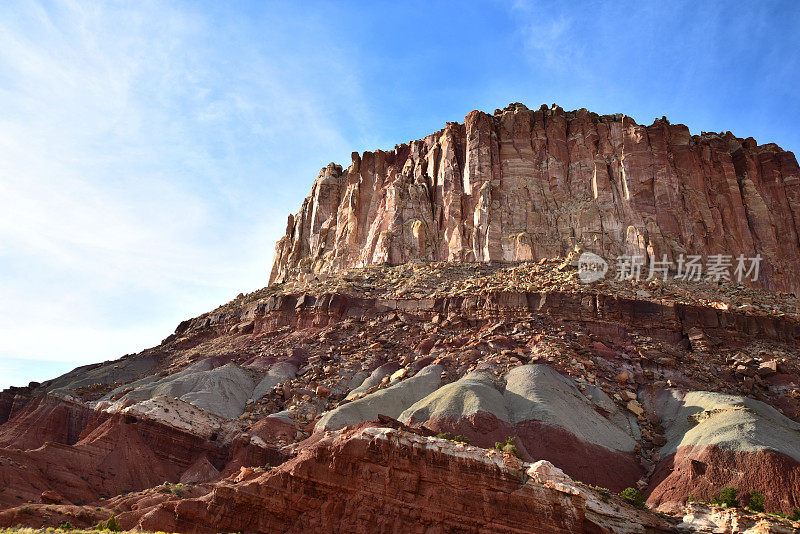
(524, 185)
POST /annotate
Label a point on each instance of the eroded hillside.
(444, 394)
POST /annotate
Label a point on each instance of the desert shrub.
(795, 515)
(633, 496)
(66, 525)
(111, 525)
(756, 503)
(727, 497)
(507, 446)
(176, 489)
(459, 438)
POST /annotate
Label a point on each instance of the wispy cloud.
(148, 158)
(548, 35)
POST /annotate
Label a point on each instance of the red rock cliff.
(379, 480)
(523, 185)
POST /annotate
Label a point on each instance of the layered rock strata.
(716, 440)
(524, 185)
(83, 455)
(383, 480)
(546, 416)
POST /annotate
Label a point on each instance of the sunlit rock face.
(381, 480)
(524, 185)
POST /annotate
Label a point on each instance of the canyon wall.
(522, 185)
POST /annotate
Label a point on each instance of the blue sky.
(151, 151)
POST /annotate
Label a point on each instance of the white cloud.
(148, 161)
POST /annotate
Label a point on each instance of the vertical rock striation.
(523, 185)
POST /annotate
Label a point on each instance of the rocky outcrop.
(524, 185)
(303, 311)
(136, 447)
(576, 374)
(701, 518)
(716, 441)
(544, 413)
(384, 480)
(47, 418)
(390, 401)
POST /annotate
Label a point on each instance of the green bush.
(633, 496)
(498, 445)
(507, 446)
(756, 503)
(795, 515)
(66, 525)
(459, 438)
(176, 489)
(727, 497)
(110, 525)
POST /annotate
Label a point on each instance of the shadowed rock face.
(47, 418)
(524, 185)
(117, 453)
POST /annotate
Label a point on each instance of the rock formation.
(430, 358)
(714, 438)
(524, 185)
(383, 480)
(548, 417)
